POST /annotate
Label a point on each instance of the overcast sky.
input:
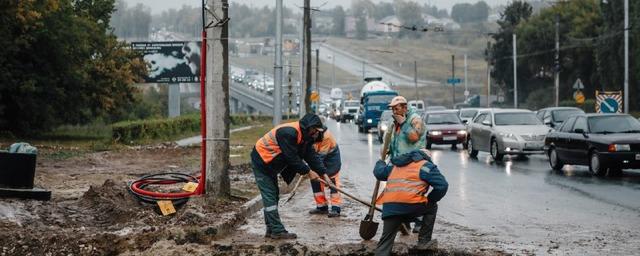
(157, 6)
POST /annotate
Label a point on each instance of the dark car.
(553, 117)
(444, 127)
(607, 143)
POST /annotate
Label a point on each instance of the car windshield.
(386, 115)
(351, 104)
(524, 118)
(435, 108)
(614, 124)
(468, 113)
(378, 99)
(444, 118)
(561, 115)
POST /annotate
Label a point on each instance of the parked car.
(506, 131)
(444, 127)
(385, 122)
(607, 143)
(553, 117)
(467, 114)
(435, 108)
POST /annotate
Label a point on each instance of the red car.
(444, 127)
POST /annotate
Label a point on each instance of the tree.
(410, 15)
(465, 12)
(499, 54)
(383, 9)
(338, 21)
(59, 65)
(360, 10)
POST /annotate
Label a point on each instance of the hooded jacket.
(429, 173)
(290, 161)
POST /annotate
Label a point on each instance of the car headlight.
(619, 147)
(337, 112)
(383, 127)
(462, 132)
(369, 121)
(435, 133)
(505, 135)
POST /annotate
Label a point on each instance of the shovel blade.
(368, 229)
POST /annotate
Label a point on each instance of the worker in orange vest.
(405, 197)
(329, 153)
(284, 150)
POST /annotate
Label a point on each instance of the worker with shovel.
(408, 178)
(281, 151)
(329, 153)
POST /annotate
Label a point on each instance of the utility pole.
(515, 74)
(317, 77)
(556, 67)
(453, 76)
(333, 70)
(277, 91)
(466, 89)
(363, 71)
(488, 74)
(307, 52)
(302, 91)
(626, 57)
(415, 77)
(217, 95)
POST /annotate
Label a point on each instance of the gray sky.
(157, 6)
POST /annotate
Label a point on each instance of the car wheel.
(470, 149)
(360, 128)
(614, 172)
(554, 160)
(595, 166)
(454, 146)
(494, 151)
(428, 145)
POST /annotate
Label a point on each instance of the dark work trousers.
(392, 224)
(270, 193)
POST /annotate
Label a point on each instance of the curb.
(246, 210)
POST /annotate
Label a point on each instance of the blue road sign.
(454, 80)
(609, 105)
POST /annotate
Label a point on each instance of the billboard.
(171, 62)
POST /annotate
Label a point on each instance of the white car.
(506, 132)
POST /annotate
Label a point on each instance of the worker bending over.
(329, 153)
(281, 151)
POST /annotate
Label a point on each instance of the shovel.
(368, 227)
(293, 191)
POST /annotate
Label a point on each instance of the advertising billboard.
(171, 62)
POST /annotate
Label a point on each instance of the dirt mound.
(111, 204)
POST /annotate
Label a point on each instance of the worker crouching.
(408, 178)
(329, 154)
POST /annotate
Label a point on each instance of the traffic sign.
(609, 102)
(579, 97)
(454, 80)
(315, 96)
(578, 85)
(466, 93)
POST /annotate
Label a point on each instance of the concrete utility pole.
(363, 71)
(453, 76)
(466, 88)
(515, 74)
(217, 94)
(333, 70)
(307, 52)
(277, 91)
(317, 76)
(556, 66)
(488, 76)
(302, 90)
(415, 77)
(626, 56)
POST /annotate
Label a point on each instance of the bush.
(589, 105)
(169, 128)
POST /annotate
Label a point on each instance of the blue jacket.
(428, 172)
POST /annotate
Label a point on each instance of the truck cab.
(375, 97)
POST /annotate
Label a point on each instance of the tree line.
(591, 49)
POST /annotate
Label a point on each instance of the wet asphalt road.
(518, 206)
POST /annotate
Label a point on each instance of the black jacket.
(290, 161)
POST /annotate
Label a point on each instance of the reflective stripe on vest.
(405, 186)
(268, 147)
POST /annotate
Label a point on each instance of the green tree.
(59, 65)
(383, 9)
(499, 54)
(361, 9)
(338, 21)
(465, 12)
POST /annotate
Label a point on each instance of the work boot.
(334, 213)
(322, 210)
(283, 235)
(427, 246)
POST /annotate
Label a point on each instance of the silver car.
(385, 121)
(506, 132)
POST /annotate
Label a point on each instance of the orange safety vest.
(268, 147)
(404, 185)
(327, 145)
